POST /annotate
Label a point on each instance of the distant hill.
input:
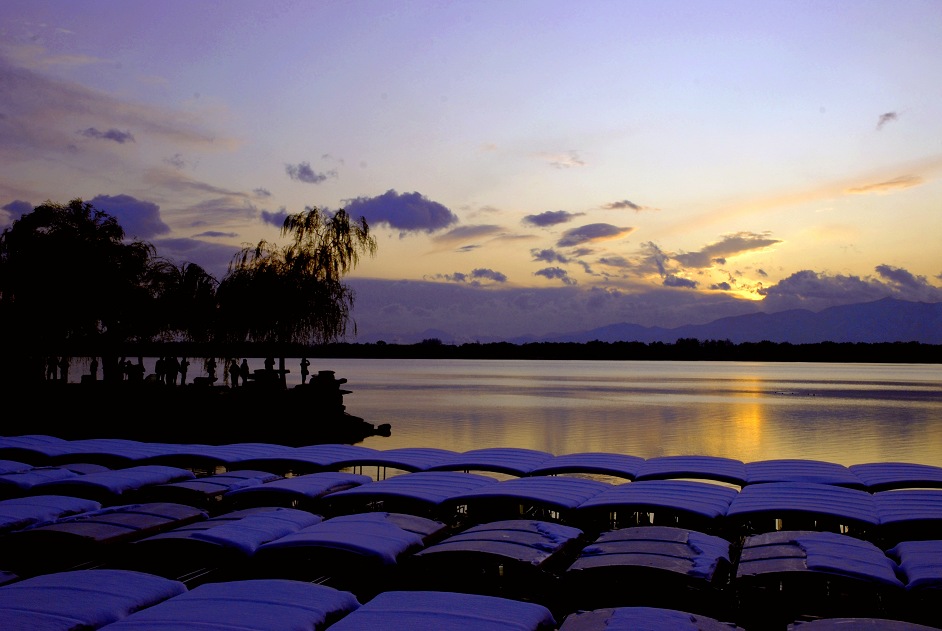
(886, 320)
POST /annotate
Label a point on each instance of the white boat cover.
(790, 551)
(687, 552)
(920, 562)
(699, 498)
(82, 599)
(249, 605)
(641, 619)
(24, 512)
(509, 460)
(241, 531)
(800, 470)
(615, 465)
(697, 467)
(886, 476)
(806, 498)
(446, 611)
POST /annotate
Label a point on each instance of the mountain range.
(885, 320)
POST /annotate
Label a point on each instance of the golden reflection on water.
(747, 411)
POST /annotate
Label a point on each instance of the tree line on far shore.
(684, 349)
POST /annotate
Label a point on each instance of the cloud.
(818, 290)
(729, 245)
(901, 277)
(676, 281)
(475, 278)
(302, 172)
(463, 233)
(551, 218)
(276, 219)
(140, 219)
(488, 274)
(901, 182)
(48, 110)
(556, 273)
(566, 160)
(886, 118)
(17, 208)
(261, 192)
(403, 311)
(624, 205)
(408, 212)
(548, 256)
(114, 135)
(591, 233)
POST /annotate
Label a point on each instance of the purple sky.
(527, 167)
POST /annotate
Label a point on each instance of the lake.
(844, 413)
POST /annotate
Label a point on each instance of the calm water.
(845, 413)
(842, 413)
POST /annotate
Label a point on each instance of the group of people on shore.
(169, 370)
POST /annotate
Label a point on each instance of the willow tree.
(69, 281)
(184, 301)
(294, 294)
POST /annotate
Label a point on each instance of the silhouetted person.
(244, 371)
(184, 364)
(64, 369)
(304, 371)
(171, 367)
(160, 370)
(269, 364)
(93, 369)
(234, 373)
(211, 369)
(52, 368)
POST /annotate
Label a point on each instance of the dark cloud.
(216, 234)
(676, 281)
(408, 212)
(886, 118)
(488, 274)
(721, 286)
(815, 291)
(17, 208)
(548, 256)
(615, 261)
(551, 218)
(555, 273)
(901, 277)
(115, 135)
(474, 278)
(624, 205)
(276, 219)
(139, 219)
(591, 232)
(261, 192)
(302, 172)
(729, 245)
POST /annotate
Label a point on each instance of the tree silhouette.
(294, 294)
(69, 280)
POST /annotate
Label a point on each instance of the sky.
(527, 167)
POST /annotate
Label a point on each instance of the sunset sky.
(527, 167)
